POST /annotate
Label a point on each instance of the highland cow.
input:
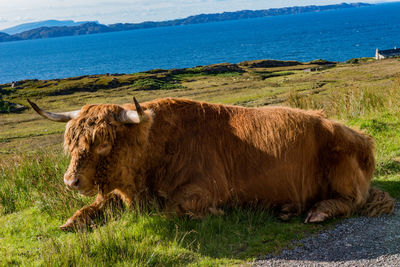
(197, 158)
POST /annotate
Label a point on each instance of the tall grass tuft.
(355, 102)
(36, 180)
(303, 101)
(350, 103)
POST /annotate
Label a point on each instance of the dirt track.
(354, 242)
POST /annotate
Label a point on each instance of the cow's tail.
(365, 154)
(351, 142)
(378, 203)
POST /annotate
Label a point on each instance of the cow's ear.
(103, 149)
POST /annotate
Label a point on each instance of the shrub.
(4, 105)
(154, 84)
(352, 61)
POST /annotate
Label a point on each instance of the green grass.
(34, 201)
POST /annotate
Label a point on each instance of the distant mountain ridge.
(50, 32)
(46, 23)
(94, 27)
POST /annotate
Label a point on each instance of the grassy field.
(34, 201)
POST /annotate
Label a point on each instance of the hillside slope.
(34, 201)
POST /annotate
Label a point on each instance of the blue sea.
(335, 35)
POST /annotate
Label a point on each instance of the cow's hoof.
(216, 212)
(68, 226)
(315, 217)
(288, 211)
(72, 226)
(285, 216)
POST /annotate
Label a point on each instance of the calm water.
(335, 35)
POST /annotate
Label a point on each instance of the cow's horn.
(60, 117)
(129, 117)
(138, 108)
(133, 116)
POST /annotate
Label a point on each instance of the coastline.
(94, 27)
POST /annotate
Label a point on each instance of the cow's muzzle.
(72, 182)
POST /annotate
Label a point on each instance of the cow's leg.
(330, 208)
(192, 200)
(84, 217)
(288, 211)
(349, 187)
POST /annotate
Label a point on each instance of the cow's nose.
(71, 182)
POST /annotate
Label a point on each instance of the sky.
(14, 12)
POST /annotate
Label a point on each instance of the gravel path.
(358, 241)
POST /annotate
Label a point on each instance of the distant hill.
(4, 37)
(94, 27)
(50, 32)
(46, 23)
(243, 14)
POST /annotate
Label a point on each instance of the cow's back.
(248, 154)
(281, 163)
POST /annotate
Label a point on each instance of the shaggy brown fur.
(197, 157)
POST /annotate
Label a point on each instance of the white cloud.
(106, 11)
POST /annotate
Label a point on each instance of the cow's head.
(90, 138)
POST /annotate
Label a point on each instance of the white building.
(382, 54)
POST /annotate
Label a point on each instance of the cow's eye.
(103, 149)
